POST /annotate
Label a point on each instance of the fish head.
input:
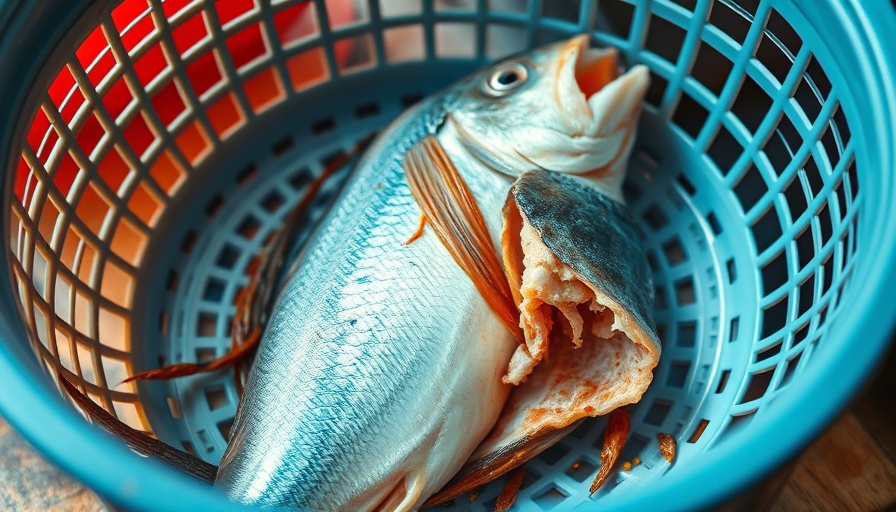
(564, 107)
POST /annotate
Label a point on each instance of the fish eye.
(505, 79)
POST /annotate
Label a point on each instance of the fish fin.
(618, 428)
(511, 489)
(482, 470)
(511, 249)
(140, 441)
(403, 496)
(232, 357)
(451, 209)
(254, 302)
(421, 226)
(590, 301)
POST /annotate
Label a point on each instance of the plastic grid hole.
(264, 90)
(674, 252)
(812, 178)
(553, 454)
(150, 66)
(778, 46)
(214, 290)
(685, 293)
(664, 38)
(766, 230)
(731, 20)
(188, 447)
(581, 470)
(723, 381)
(806, 294)
(751, 105)
(655, 218)
(711, 68)
(698, 431)
(724, 150)
(545, 36)
(168, 103)
(619, 15)
(392, 9)
(90, 134)
(207, 326)
(297, 23)
(224, 428)
(690, 116)
(404, 43)
(777, 152)
(774, 318)
(774, 273)
(194, 143)
(204, 74)
(658, 412)
(656, 89)
(751, 187)
(129, 243)
(455, 40)
(812, 90)
(504, 40)
(48, 220)
(769, 352)
(757, 386)
(790, 370)
(189, 33)
(307, 69)
(550, 497)
(342, 15)
(686, 334)
(113, 330)
(226, 116)
(230, 12)
(359, 54)
(733, 329)
(145, 204)
(205, 440)
(215, 397)
(806, 247)
(678, 374)
(247, 46)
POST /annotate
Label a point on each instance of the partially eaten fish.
(387, 368)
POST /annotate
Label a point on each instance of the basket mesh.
(174, 137)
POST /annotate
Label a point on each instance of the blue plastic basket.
(150, 147)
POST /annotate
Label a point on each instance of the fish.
(476, 290)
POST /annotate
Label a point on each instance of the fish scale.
(358, 381)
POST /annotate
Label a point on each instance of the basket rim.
(36, 409)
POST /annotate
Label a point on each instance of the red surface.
(291, 25)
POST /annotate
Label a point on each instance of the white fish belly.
(380, 367)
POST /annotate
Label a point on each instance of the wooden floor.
(852, 467)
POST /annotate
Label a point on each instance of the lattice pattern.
(744, 184)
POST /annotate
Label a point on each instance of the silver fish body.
(365, 363)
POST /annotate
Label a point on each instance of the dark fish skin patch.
(592, 234)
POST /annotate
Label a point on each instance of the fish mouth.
(586, 87)
(594, 67)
